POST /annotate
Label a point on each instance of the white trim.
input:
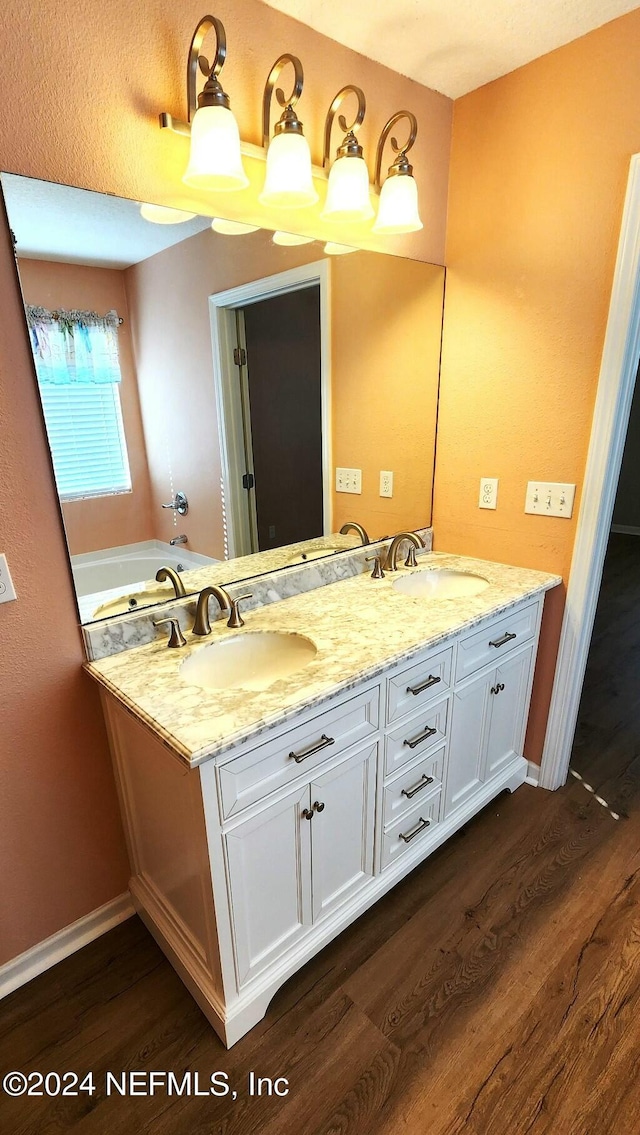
(626, 529)
(221, 306)
(533, 774)
(52, 950)
(608, 434)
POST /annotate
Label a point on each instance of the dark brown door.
(282, 337)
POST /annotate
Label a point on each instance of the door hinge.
(239, 356)
(248, 481)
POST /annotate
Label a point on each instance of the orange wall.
(88, 117)
(99, 522)
(539, 168)
(386, 319)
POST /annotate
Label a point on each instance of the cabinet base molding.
(65, 942)
(243, 1010)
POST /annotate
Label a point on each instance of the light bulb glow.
(163, 215)
(398, 209)
(289, 240)
(333, 249)
(215, 162)
(348, 197)
(288, 182)
(232, 228)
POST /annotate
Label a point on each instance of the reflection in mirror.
(220, 404)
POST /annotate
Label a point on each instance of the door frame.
(608, 434)
(222, 308)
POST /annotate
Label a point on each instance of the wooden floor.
(495, 992)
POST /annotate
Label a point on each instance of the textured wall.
(539, 169)
(81, 90)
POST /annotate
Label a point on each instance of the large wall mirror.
(220, 400)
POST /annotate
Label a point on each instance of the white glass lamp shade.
(215, 162)
(348, 197)
(333, 249)
(290, 240)
(398, 208)
(163, 215)
(288, 183)
(232, 228)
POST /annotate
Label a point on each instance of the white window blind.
(86, 435)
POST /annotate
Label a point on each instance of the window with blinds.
(86, 435)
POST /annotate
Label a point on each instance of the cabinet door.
(465, 765)
(507, 712)
(343, 802)
(269, 863)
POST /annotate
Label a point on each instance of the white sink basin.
(440, 583)
(123, 603)
(250, 661)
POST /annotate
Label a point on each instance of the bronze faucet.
(201, 625)
(351, 526)
(392, 555)
(165, 573)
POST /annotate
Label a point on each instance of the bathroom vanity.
(262, 821)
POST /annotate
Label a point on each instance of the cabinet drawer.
(420, 684)
(267, 767)
(416, 736)
(411, 830)
(414, 786)
(496, 639)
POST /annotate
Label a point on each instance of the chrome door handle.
(428, 732)
(423, 783)
(315, 748)
(431, 681)
(508, 637)
(421, 826)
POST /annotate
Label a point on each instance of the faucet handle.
(378, 570)
(235, 619)
(176, 637)
(411, 560)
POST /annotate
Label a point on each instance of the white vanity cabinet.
(246, 865)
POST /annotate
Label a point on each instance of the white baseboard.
(45, 954)
(626, 529)
(533, 774)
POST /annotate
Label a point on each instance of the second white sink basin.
(440, 583)
(250, 661)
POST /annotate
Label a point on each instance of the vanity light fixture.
(348, 198)
(215, 161)
(232, 228)
(333, 249)
(289, 240)
(163, 215)
(288, 182)
(398, 209)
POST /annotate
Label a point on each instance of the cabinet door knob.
(319, 806)
(307, 813)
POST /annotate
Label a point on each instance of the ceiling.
(453, 46)
(58, 222)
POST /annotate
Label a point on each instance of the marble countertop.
(359, 626)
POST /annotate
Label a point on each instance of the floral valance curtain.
(74, 346)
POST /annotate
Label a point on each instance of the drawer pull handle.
(421, 826)
(431, 681)
(307, 813)
(428, 732)
(505, 638)
(422, 783)
(315, 748)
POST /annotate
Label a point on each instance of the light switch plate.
(550, 498)
(488, 492)
(7, 590)
(349, 481)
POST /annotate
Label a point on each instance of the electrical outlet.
(349, 481)
(386, 483)
(550, 498)
(7, 590)
(488, 492)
